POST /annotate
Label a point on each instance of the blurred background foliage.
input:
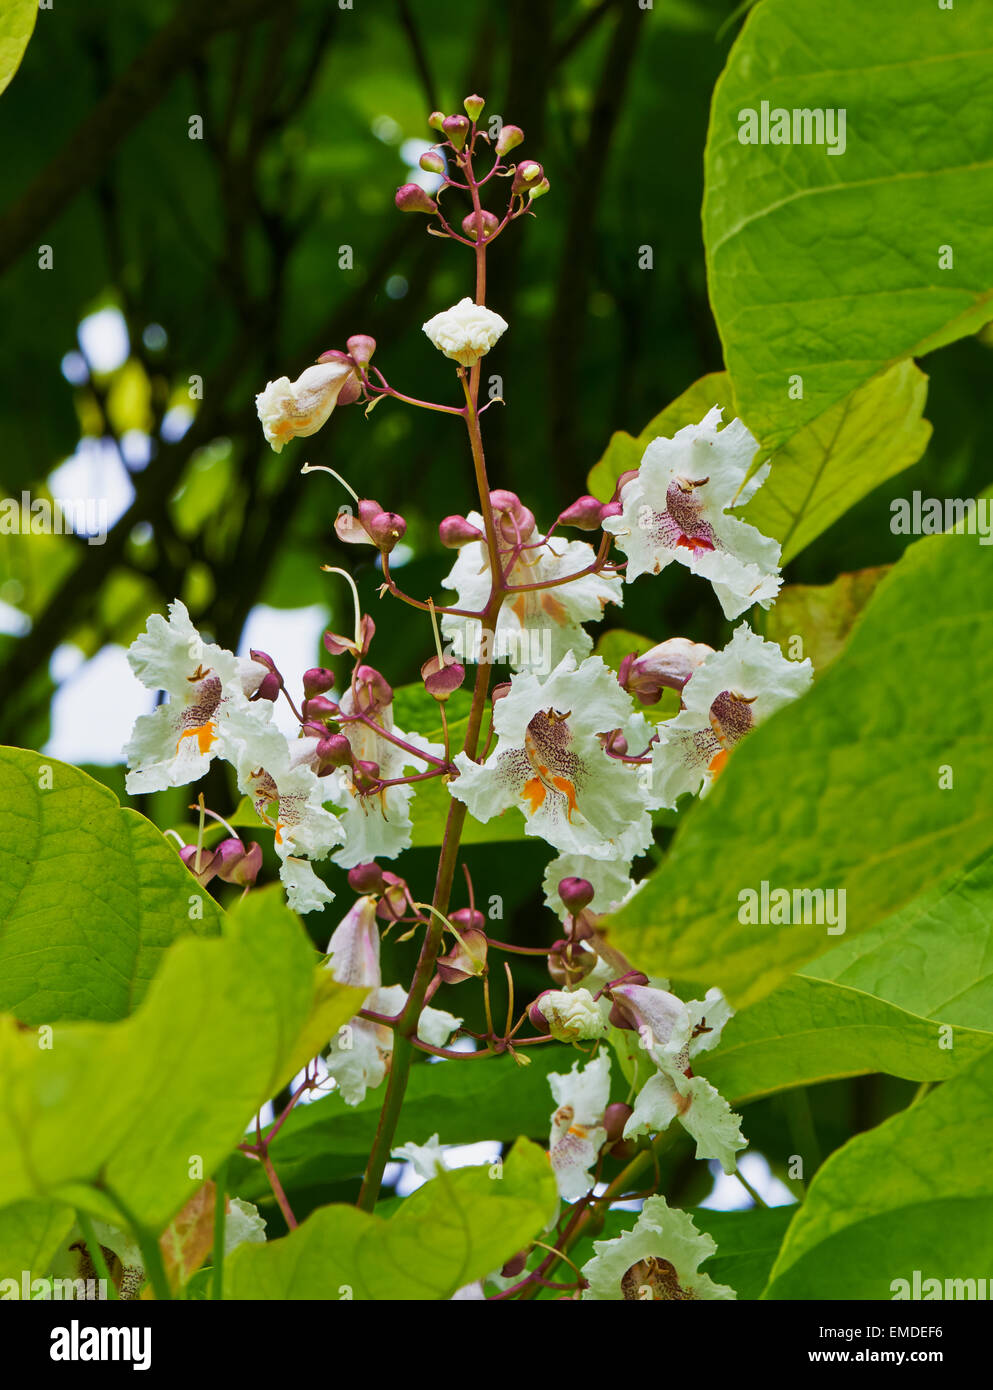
(219, 261)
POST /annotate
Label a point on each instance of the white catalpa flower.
(289, 409)
(354, 947)
(656, 1261)
(578, 1133)
(205, 683)
(466, 332)
(550, 762)
(572, 1014)
(538, 627)
(675, 508)
(289, 796)
(425, 1159)
(731, 692)
(671, 1034)
(359, 1053)
(376, 825)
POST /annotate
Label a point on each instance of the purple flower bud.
(317, 681)
(335, 355)
(537, 1018)
(411, 197)
(527, 175)
(470, 224)
(238, 864)
(611, 509)
(568, 964)
(207, 868)
(361, 347)
(667, 666)
(269, 687)
(500, 691)
(517, 1263)
(508, 139)
(615, 1117)
(457, 130)
(365, 775)
(514, 520)
(455, 532)
(367, 878)
(333, 751)
(473, 105)
(263, 658)
(468, 919)
(576, 893)
(584, 514)
(466, 959)
(393, 904)
(386, 529)
(442, 677)
(373, 691)
(432, 162)
(318, 708)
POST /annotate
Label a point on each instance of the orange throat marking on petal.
(718, 763)
(534, 791)
(204, 734)
(520, 607)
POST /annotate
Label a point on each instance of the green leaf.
(17, 19)
(624, 450)
(935, 957)
(453, 1230)
(462, 1102)
(811, 1030)
(915, 1193)
(30, 1234)
(90, 895)
(841, 789)
(747, 1244)
(219, 1033)
(839, 458)
(821, 615)
(827, 266)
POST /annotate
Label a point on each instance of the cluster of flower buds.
(230, 861)
(456, 148)
(392, 892)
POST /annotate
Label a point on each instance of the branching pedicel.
(563, 743)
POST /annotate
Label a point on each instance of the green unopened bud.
(528, 174)
(432, 162)
(473, 105)
(539, 190)
(436, 120)
(457, 130)
(508, 139)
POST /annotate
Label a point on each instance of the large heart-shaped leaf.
(91, 895)
(915, 1193)
(832, 267)
(847, 789)
(455, 1229)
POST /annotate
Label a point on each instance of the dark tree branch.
(578, 250)
(139, 89)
